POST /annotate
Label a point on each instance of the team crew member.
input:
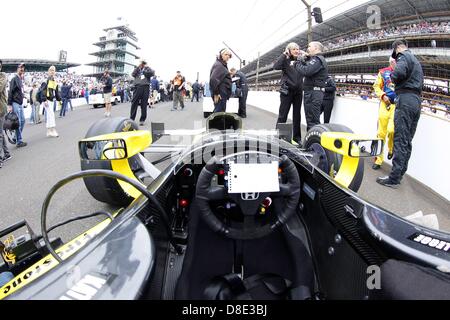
(328, 99)
(314, 67)
(142, 75)
(291, 89)
(408, 80)
(384, 89)
(220, 81)
(241, 90)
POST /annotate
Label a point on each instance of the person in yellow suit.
(385, 91)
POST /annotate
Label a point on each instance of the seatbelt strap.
(300, 293)
(238, 266)
(235, 287)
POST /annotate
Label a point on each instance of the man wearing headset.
(291, 88)
(314, 67)
(408, 79)
(220, 81)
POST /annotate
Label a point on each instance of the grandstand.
(36, 65)
(355, 53)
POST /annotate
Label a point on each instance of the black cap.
(397, 43)
(21, 65)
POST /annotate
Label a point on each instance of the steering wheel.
(288, 196)
(101, 173)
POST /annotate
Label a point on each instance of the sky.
(173, 35)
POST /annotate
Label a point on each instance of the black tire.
(101, 188)
(333, 161)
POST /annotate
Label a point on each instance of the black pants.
(194, 95)
(327, 107)
(294, 97)
(407, 114)
(243, 102)
(313, 106)
(140, 98)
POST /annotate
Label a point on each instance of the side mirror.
(112, 149)
(365, 148)
(114, 146)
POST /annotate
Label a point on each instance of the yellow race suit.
(383, 86)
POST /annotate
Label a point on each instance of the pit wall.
(430, 158)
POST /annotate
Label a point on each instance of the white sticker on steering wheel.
(253, 177)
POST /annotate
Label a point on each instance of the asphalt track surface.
(33, 170)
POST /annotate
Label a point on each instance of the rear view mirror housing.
(112, 149)
(352, 145)
(114, 146)
(365, 148)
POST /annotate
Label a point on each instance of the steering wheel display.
(284, 201)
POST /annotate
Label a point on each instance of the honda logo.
(250, 196)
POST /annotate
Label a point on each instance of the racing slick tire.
(101, 188)
(333, 160)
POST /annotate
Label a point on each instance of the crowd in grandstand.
(417, 28)
(435, 99)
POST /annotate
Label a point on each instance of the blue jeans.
(32, 116)
(18, 109)
(5, 277)
(65, 101)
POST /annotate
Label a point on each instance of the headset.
(223, 51)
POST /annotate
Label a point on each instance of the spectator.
(35, 105)
(142, 75)
(15, 101)
(86, 95)
(65, 96)
(154, 88)
(50, 95)
(107, 83)
(3, 103)
(178, 84)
